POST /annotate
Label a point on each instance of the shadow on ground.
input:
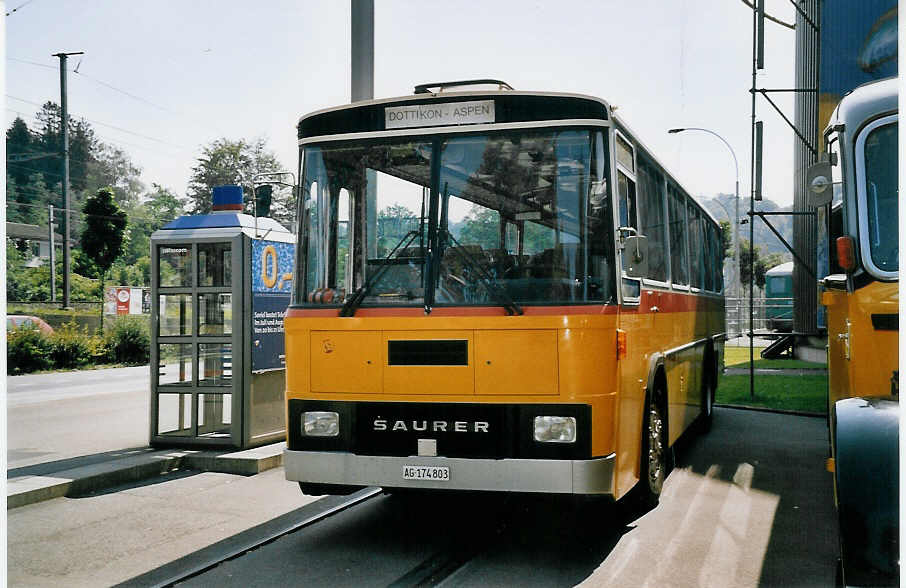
(51, 467)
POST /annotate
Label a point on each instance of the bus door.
(635, 322)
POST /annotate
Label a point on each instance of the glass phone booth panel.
(194, 388)
(221, 285)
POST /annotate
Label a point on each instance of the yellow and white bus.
(862, 300)
(497, 291)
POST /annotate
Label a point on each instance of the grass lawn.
(738, 357)
(799, 393)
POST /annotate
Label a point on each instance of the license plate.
(436, 473)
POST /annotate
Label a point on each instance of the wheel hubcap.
(655, 448)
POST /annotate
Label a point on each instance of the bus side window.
(695, 244)
(626, 194)
(344, 237)
(651, 218)
(718, 255)
(628, 211)
(679, 271)
(708, 253)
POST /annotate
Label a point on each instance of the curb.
(29, 489)
(732, 371)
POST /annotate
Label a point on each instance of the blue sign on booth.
(272, 278)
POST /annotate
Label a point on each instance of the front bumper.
(554, 476)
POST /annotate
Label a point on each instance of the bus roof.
(866, 102)
(784, 269)
(510, 107)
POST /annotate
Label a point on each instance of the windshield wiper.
(491, 283)
(355, 300)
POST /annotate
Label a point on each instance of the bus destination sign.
(430, 115)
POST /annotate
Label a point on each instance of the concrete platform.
(81, 476)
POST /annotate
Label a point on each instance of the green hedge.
(27, 350)
(129, 340)
(126, 341)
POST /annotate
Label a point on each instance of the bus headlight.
(320, 424)
(555, 429)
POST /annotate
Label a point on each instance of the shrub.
(69, 346)
(27, 350)
(99, 349)
(129, 340)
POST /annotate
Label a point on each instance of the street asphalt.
(750, 504)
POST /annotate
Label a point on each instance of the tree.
(102, 238)
(18, 142)
(157, 208)
(481, 227)
(726, 238)
(393, 222)
(112, 167)
(49, 139)
(237, 162)
(82, 150)
(26, 200)
(762, 263)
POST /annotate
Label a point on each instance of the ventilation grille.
(432, 352)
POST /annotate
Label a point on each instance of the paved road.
(747, 505)
(70, 414)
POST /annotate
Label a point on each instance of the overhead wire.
(96, 81)
(27, 2)
(107, 125)
(61, 209)
(107, 139)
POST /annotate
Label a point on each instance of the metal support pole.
(362, 86)
(53, 254)
(64, 130)
(752, 207)
(362, 50)
(736, 243)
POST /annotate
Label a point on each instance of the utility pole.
(64, 129)
(53, 255)
(362, 88)
(362, 49)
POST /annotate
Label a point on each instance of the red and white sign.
(126, 300)
(122, 300)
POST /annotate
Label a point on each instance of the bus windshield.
(512, 216)
(881, 196)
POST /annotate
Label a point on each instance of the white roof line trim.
(459, 129)
(444, 95)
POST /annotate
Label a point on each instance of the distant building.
(33, 240)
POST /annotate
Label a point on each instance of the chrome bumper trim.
(591, 476)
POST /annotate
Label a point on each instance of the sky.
(162, 79)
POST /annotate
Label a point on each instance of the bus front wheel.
(654, 456)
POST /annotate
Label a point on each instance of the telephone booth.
(220, 287)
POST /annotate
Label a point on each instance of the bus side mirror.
(635, 256)
(820, 191)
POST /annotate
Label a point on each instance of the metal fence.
(770, 314)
